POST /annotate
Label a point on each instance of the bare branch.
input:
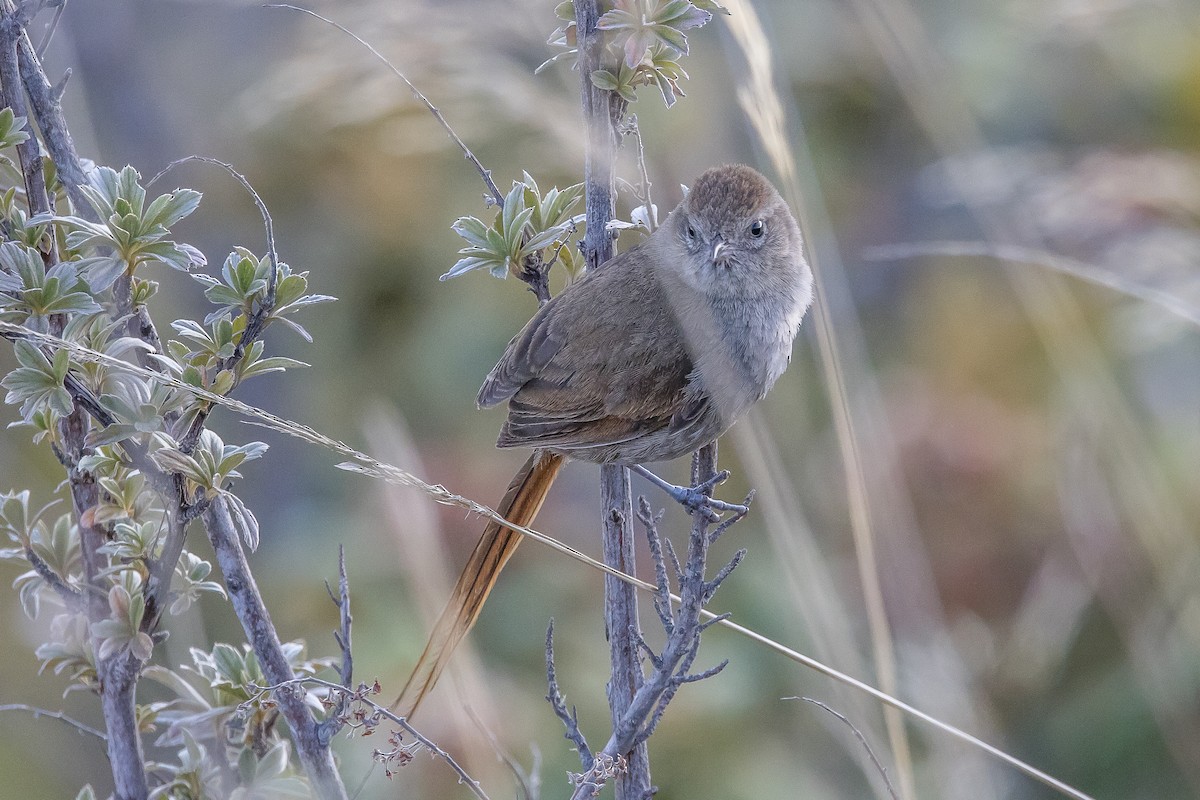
(58, 715)
(858, 735)
(486, 174)
(330, 726)
(672, 667)
(662, 598)
(570, 720)
(69, 594)
(362, 695)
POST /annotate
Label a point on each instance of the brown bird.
(647, 358)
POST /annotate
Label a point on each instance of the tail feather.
(520, 506)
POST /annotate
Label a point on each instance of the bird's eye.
(691, 232)
(757, 228)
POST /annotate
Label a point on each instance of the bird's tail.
(520, 505)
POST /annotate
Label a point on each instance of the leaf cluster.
(527, 226)
(645, 41)
(146, 450)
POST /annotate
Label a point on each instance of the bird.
(648, 357)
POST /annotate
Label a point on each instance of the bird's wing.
(593, 366)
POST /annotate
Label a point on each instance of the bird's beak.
(719, 247)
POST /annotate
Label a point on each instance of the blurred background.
(1028, 441)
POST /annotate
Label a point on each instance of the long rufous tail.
(520, 505)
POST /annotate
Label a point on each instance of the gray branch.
(570, 719)
(672, 668)
(58, 715)
(365, 721)
(602, 111)
(20, 73)
(315, 756)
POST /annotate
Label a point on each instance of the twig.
(44, 99)
(362, 695)
(50, 30)
(528, 779)
(162, 569)
(570, 719)
(1092, 273)
(486, 174)
(58, 715)
(662, 597)
(342, 601)
(534, 273)
(859, 735)
(630, 127)
(332, 724)
(69, 594)
(28, 151)
(260, 316)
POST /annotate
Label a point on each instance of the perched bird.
(647, 358)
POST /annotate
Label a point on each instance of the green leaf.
(12, 127)
(603, 79)
(473, 230)
(168, 209)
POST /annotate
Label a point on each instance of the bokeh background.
(1028, 441)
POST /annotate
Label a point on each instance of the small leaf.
(603, 79)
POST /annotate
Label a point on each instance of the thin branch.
(51, 29)
(534, 273)
(1092, 273)
(710, 587)
(162, 569)
(630, 127)
(44, 100)
(342, 601)
(257, 321)
(334, 723)
(58, 715)
(528, 779)
(361, 695)
(486, 174)
(570, 719)
(28, 151)
(858, 735)
(69, 594)
(662, 598)
(268, 224)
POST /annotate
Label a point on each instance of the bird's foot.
(696, 498)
